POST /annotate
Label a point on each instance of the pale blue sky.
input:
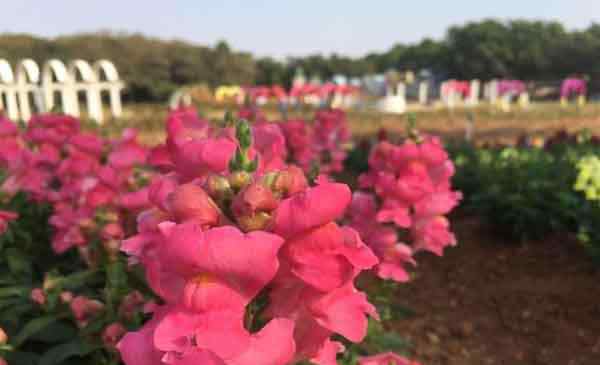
(278, 28)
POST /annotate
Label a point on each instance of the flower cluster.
(405, 212)
(246, 255)
(95, 187)
(246, 259)
(318, 144)
(90, 182)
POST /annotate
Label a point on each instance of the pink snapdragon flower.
(412, 183)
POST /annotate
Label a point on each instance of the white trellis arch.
(79, 75)
(88, 84)
(111, 83)
(8, 92)
(56, 70)
(27, 79)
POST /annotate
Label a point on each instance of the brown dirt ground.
(493, 302)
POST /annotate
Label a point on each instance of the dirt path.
(490, 301)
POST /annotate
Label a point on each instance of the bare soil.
(493, 302)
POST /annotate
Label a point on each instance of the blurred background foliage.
(153, 68)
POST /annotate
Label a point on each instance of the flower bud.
(218, 187)
(189, 202)
(290, 181)
(38, 296)
(243, 134)
(112, 334)
(239, 179)
(112, 231)
(66, 297)
(150, 306)
(130, 304)
(84, 309)
(269, 179)
(256, 222)
(3, 337)
(254, 198)
(50, 281)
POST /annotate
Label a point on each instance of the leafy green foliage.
(526, 192)
(49, 334)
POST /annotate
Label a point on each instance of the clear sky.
(283, 27)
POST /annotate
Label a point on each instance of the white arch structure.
(111, 83)
(8, 93)
(66, 80)
(27, 81)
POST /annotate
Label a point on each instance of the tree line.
(153, 68)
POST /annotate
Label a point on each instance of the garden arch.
(8, 92)
(55, 79)
(27, 79)
(108, 80)
(88, 84)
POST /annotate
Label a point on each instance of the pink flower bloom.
(198, 158)
(127, 152)
(84, 309)
(135, 200)
(131, 303)
(66, 297)
(412, 181)
(177, 336)
(183, 125)
(254, 198)
(38, 296)
(54, 129)
(5, 217)
(112, 231)
(112, 334)
(87, 143)
(137, 348)
(311, 208)
(299, 139)
(269, 141)
(209, 270)
(160, 158)
(327, 257)
(190, 203)
(223, 335)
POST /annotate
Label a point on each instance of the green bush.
(525, 192)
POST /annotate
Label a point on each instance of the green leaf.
(22, 358)
(58, 332)
(14, 291)
(62, 352)
(33, 327)
(78, 279)
(18, 263)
